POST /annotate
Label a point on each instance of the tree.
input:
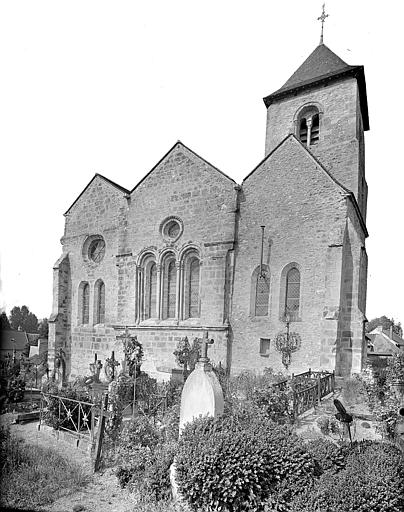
(4, 323)
(23, 319)
(386, 323)
(43, 328)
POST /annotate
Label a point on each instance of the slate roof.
(322, 66)
(20, 337)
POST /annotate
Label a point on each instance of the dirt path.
(101, 493)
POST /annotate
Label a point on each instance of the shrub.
(171, 423)
(173, 390)
(330, 426)
(16, 388)
(58, 418)
(372, 481)
(353, 389)
(241, 461)
(148, 471)
(139, 433)
(329, 456)
(273, 403)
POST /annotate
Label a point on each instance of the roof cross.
(322, 19)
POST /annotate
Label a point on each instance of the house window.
(191, 287)
(292, 293)
(308, 124)
(100, 302)
(85, 304)
(260, 291)
(169, 288)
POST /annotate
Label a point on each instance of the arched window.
(260, 291)
(85, 303)
(308, 125)
(99, 302)
(303, 130)
(169, 288)
(150, 292)
(191, 287)
(292, 293)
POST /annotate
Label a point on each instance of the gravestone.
(201, 395)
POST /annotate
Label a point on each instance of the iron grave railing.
(75, 416)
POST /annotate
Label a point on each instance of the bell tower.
(324, 105)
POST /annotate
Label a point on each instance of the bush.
(16, 388)
(171, 423)
(273, 403)
(144, 460)
(372, 481)
(329, 456)
(241, 461)
(353, 390)
(148, 471)
(330, 426)
(57, 419)
(139, 433)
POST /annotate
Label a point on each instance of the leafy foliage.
(43, 328)
(241, 461)
(4, 322)
(372, 481)
(379, 384)
(22, 318)
(15, 390)
(386, 323)
(329, 456)
(274, 403)
(56, 417)
(144, 459)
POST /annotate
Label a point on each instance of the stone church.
(189, 250)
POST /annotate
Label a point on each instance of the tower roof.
(322, 66)
(322, 61)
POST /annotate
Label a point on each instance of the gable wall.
(304, 214)
(184, 186)
(101, 210)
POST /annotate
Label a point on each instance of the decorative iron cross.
(204, 348)
(126, 334)
(322, 19)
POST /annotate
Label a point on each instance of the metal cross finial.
(322, 19)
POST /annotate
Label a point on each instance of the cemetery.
(207, 441)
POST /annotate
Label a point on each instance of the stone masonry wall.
(340, 143)
(98, 211)
(184, 186)
(304, 212)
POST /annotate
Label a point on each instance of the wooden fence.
(308, 389)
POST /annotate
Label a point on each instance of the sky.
(109, 86)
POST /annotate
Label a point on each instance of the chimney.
(391, 331)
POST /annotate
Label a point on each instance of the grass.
(33, 476)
